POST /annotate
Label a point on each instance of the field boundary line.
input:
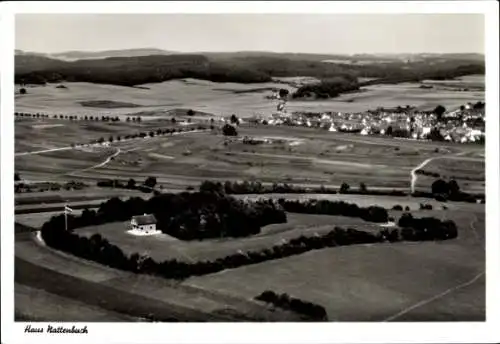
(434, 298)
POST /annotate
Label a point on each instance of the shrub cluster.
(310, 310)
(425, 206)
(42, 187)
(426, 228)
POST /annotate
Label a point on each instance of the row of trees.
(255, 187)
(325, 207)
(98, 249)
(311, 310)
(42, 187)
(147, 186)
(73, 117)
(187, 216)
(144, 134)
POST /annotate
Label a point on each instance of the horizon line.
(252, 51)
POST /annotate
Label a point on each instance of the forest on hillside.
(250, 68)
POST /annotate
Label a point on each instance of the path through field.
(435, 297)
(457, 156)
(43, 151)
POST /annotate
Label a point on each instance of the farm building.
(144, 223)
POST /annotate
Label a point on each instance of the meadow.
(162, 247)
(362, 283)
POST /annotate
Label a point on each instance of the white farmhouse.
(144, 224)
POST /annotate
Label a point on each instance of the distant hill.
(132, 67)
(26, 63)
(82, 55)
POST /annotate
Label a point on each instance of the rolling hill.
(140, 66)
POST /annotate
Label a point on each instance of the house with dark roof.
(144, 223)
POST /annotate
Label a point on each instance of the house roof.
(144, 219)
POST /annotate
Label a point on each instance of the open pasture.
(423, 281)
(162, 246)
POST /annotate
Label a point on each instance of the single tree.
(283, 93)
(344, 188)
(131, 183)
(362, 187)
(150, 182)
(453, 187)
(17, 177)
(22, 91)
(440, 187)
(234, 119)
(190, 112)
(439, 111)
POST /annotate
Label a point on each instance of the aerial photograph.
(249, 168)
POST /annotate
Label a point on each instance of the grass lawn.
(163, 247)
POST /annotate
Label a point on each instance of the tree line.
(256, 187)
(143, 134)
(311, 310)
(99, 249)
(131, 71)
(94, 118)
(339, 208)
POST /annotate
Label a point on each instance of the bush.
(425, 206)
(427, 228)
(397, 207)
(229, 130)
(344, 188)
(284, 301)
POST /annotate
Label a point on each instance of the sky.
(305, 33)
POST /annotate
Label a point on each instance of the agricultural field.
(469, 172)
(224, 99)
(292, 155)
(362, 283)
